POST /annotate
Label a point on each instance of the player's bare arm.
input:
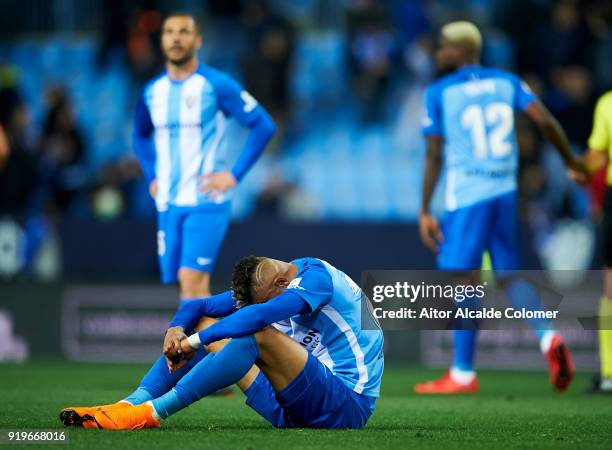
(593, 160)
(429, 228)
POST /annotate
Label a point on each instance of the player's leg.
(605, 304)
(156, 382)
(504, 249)
(160, 380)
(234, 364)
(193, 284)
(169, 244)
(202, 233)
(466, 232)
(308, 393)
(168, 251)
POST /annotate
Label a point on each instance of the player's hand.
(172, 343)
(578, 172)
(217, 183)
(153, 189)
(186, 352)
(430, 232)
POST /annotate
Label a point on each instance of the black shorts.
(606, 229)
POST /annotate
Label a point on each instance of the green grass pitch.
(513, 410)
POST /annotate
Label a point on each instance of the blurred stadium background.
(344, 80)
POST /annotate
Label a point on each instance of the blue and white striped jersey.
(332, 331)
(473, 110)
(180, 128)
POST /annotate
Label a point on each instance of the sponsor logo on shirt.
(295, 284)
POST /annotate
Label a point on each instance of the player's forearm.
(261, 133)
(190, 312)
(433, 167)
(251, 319)
(145, 153)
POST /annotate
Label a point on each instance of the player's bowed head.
(257, 279)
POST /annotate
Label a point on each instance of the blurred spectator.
(17, 168)
(114, 32)
(62, 152)
(143, 43)
(371, 50)
(267, 58)
(564, 39)
(571, 101)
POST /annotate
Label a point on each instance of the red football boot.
(560, 366)
(446, 385)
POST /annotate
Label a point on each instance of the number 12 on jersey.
(498, 118)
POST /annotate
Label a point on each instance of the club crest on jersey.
(190, 100)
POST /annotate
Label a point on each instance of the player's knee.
(205, 322)
(266, 336)
(193, 284)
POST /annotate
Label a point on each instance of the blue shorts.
(489, 225)
(316, 398)
(190, 237)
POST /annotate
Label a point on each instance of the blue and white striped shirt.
(179, 132)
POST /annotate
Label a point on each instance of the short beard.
(181, 61)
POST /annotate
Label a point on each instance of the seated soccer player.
(322, 370)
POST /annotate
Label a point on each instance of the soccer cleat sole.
(70, 418)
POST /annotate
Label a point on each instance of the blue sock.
(216, 371)
(522, 294)
(464, 344)
(464, 338)
(168, 404)
(138, 397)
(159, 380)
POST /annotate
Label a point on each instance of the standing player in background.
(470, 116)
(179, 131)
(600, 153)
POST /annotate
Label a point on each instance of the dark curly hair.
(242, 280)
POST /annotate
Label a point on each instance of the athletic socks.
(215, 371)
(605, 339)
(138, 397)
(462, 376)
(464, 345)
(159, 380)
(546, 337)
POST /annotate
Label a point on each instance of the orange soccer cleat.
(130, 418)
(446, 385)
(560, 366)
(77, 416)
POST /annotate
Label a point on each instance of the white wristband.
(194, 341)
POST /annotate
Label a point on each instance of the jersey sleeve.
(143, 139)
(600, 135)
(432, 117)
(236, 102)
(253, 318)
(314, 285)
(191, 311)
(523, 95)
